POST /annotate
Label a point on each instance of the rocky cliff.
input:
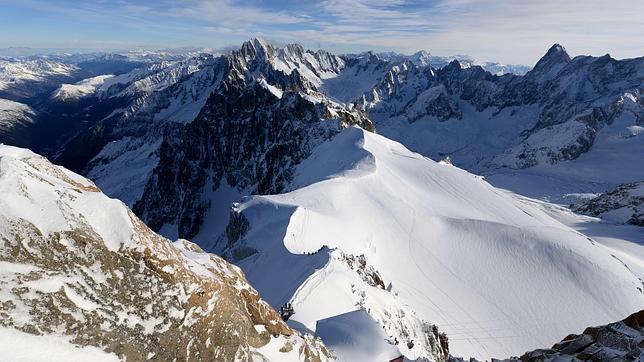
(82, 266)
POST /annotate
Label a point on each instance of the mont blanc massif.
(272, 203)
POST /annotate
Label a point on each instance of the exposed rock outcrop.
(78, 264)
(619, 341)
(624, 204)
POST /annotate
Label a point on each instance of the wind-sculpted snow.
(617, 341)
(497, 275)
(80, 268)
(410, 241)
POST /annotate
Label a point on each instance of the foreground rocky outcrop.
(77, 264)
(619, 341)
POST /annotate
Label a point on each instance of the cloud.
(517, 31)
(512, 31)
(228, 13)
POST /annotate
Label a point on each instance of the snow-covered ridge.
(272, 114)
(84, 88)
(80, 268)
(11, 111)
(497, 275)
(423, 58)
(17, 72)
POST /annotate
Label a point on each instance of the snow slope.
(19, 347)
(354, 336)
(84, 88)
(13, 116)
(16, 72)
(624, 242)
(499, 276)
(79, 268)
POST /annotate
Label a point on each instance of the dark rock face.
(367, 272)
(237, 227)
(245, 135)
(136, 295)
(625, 203)
(131, 108)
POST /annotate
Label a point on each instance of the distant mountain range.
(339, 182)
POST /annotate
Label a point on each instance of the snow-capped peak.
(556, 54)
(421, 58)
(551, 63)
(257, 47)
(453, 249)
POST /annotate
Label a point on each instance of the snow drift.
(498, 275)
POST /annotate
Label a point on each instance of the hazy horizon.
(517, 32)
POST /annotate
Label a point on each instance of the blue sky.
(513, 31)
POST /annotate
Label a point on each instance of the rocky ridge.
(557, 108)
(624, 204)
(80, 265)
(252, 131)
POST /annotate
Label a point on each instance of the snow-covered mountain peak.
(454, 66)
(435, 234)
(422, 54)
(421, 58)
(257, 47)
(557, 49)
(555, 59)
(304, 66)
